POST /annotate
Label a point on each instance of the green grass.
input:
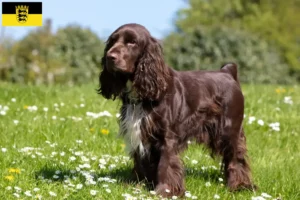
(42, 148)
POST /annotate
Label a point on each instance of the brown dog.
(162, 109)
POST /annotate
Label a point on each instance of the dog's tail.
(231, 68)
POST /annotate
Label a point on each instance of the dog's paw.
(166, 191)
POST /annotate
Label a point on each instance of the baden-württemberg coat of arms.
(22, 13)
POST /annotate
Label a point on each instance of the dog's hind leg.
(233, 149)
(235, 164)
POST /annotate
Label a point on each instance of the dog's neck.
(131, 95)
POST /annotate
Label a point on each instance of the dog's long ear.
(110, 84)
(150, 79)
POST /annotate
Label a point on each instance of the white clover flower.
(260, 122)
(214, 167)
(152, 192)
(288, 100)
(72, 158)
(28, 193)
(275, 126)
(216, 196)
(45, 109)
(194, 162)
(16, 195)
(3, 150)
(8, 188)
(32, 108)
(52, 194)
(78, 153)
(79, 141)
(108, 190)
(54, 117)
(207, 184)
(257, 198)
(13, 100)
(55, 176)
(38, 196)
(79, 186)
(102, 161)
(86, 165)
(97, 115)
(82, 105)
(93, 192)
(188, 194)
(265, 195)
(251, 119)
(36, 189)
(112, 166)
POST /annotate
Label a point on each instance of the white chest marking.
(130, 128)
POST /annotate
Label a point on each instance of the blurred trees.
(71, 55)
(261, 36)
(210, 48)
(274, 22)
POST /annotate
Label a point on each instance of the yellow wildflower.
(123, 146)
(14, 170)
(104, 131)
(10, 178)
(280, 90)
(25, 107)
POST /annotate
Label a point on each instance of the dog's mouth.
(118, 67)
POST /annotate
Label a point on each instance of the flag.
(22, 14)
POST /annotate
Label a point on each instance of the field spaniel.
(163, 108)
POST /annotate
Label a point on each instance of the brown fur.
(205, 105)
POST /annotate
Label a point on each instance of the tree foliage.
(275, 21)
(71, 55)
(210, 48)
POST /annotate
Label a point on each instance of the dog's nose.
(111, 56)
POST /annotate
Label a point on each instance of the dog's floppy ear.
(110, 84)
(150, 79)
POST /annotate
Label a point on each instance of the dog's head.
(131, 53)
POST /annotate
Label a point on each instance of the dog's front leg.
(170, 171)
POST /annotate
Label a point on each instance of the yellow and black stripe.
(22, 14)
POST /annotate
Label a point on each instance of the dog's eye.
(131, 42)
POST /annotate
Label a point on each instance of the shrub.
(209, 48)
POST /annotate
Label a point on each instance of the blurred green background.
(261, 36)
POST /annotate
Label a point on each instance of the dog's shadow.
(122, 175)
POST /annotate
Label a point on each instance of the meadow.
(61, 142)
